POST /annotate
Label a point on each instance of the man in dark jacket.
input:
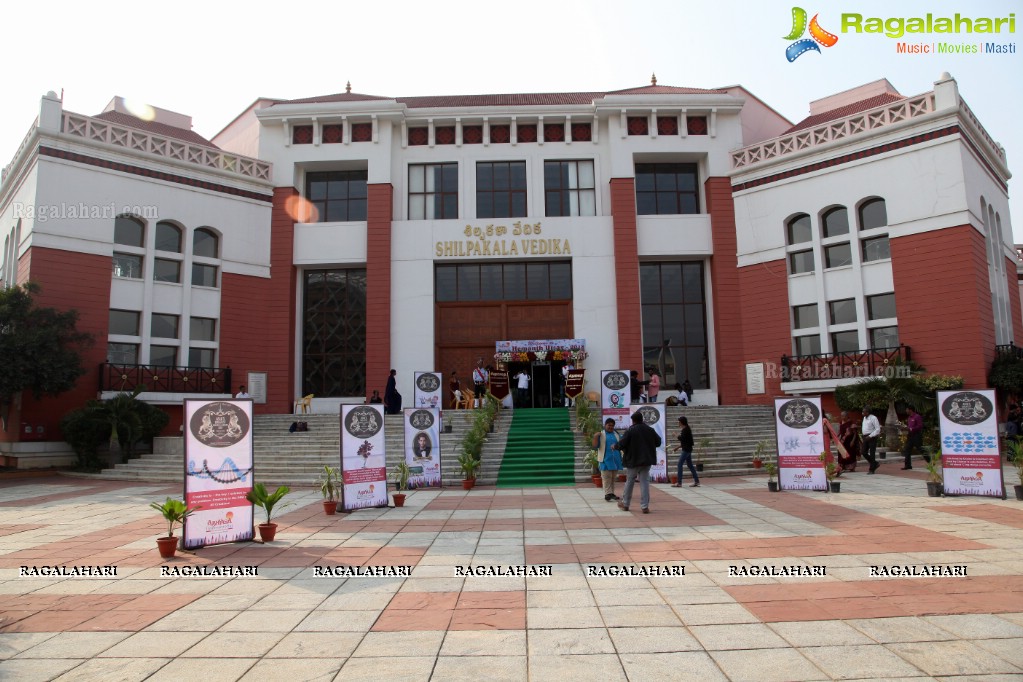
(639, 445)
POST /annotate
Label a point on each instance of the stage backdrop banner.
(422, 447)
(575, 382)
(614, 396)
(800, 438)
(970, 459)
(653, 416)
(363, 463)
(428, 391)
(218, 471)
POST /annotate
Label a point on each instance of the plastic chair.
(465, 403)
(456, 397)
(305, 404)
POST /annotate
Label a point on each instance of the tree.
(899, 384)
(122, 422)
(39, 347)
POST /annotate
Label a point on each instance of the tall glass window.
(334, 333)
(569, 188)
(667, 189)
(338, 195)
(675, 322)
(501, 189)
(433, 191)
(536, 281)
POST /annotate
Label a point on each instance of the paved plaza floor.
(734, 583)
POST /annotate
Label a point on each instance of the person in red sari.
(849, 436)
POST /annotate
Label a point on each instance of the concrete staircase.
(298, 458)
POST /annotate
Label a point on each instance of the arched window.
(168, 237)
(798, 229)
(873, 214)
(835, 222)
(129, 231)
(206, 243)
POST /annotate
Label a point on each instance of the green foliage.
(771, 468)
(123, 421)
(468, 465)
(933, 466)
(329, 483)
(1007, 375)
(174, 511)
(400, 474)
(702, 445)
(40, 347)
(1016, 455)
(590, 460)
(758, 450)
(260, 497)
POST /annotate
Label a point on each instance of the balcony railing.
(870, 362)
(158, 379)
(1009, 350)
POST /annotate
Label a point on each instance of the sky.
(210, 60)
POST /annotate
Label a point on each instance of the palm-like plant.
(898, 385)
(174, 511)
(260, 497)
(329, 483)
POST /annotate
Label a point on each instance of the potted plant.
(701, 445)
(400, 475)
(772, 469)
(831, 472)
(329, 485)
(468, 465)
(758, 453)
(260, 497)
(174, 511)
(936, 483)
(590, 460)
(1016, 456)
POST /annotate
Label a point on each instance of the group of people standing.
(860, 440)
(636, 451)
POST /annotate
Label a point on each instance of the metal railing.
(869, 362)
(1010, 350)
(162, 379)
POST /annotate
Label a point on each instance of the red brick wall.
(257, 316)
(765, 325)
(68, 280)
(626, 250)
(379, 207)
(726, 290)
(1014, 303)
(943, 301)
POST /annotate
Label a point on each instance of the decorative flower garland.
(560, 355)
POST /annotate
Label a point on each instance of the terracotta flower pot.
(674, 479)
(757, 463)
(598, 481)
(267, 531)
(468, 483)
(399, 499)
(330, 507)
(621, 478)
(167, 546)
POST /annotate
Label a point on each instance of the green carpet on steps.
(540, 449)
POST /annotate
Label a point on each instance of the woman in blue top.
(610, 460)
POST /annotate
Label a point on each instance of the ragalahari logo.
(802, 45)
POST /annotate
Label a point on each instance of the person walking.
(849, 436)
(685, 444)
(639, 444)
(653, 385)
(609, 460)
(523, 388)
(914, 438)
(869, 431)
(636, 386)
(392, 399)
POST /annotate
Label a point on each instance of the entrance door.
(542, 388)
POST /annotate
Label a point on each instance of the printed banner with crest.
(218, 471)
(970, 459)
(422, 447)
(363, 464)
(428, 391)
(800, 438)
(614, 396)
(653, 416)
(574, 382)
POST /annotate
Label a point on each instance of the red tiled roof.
(156, 128)
(507, 100)
(336, 97)
(847, 110)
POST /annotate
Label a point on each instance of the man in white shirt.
(523, 387)
(870, 431)
(480, 379)
(242, 393)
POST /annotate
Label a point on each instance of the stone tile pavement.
(766, 587)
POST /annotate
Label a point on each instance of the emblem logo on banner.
(614, 396)
(427, 390)
(363, 457)
(219, 425)
(423, 447)
(363, 422)
(653, 416)
(800, 441)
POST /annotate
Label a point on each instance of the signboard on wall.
(653, 416)
(970, 459)
(363, 463)
(422, 447)
(800, 440)
(615, 397)
(218, 471)
(256, 387)
(754, 379)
